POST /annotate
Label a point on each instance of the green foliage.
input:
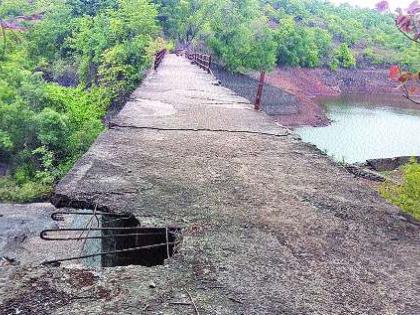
(407, 195)
(236, 31)
(238, 34)
(301, 46)
(344, 56)
(12, 8)
(58, 79)
(115, 43)
(47, 39)
(28, 191)
(295, 32)
(411, 57)
(344, 24)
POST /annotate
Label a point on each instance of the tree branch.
(410, 98)
(3, 33)
(408, 36)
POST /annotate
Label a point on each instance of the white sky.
(371, 3)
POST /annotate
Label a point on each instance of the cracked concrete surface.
(270, 225)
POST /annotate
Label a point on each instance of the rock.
(364, 173)
(7, 261)
(389, 164)
(152, 285)
(20, 225)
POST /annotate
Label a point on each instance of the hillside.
(305, 33)
(315, 33)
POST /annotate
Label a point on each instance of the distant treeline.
(255, 34)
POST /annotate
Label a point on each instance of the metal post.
(259, 91)
(209, 64)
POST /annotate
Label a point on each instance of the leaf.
(405, 76)
(404, 23)
(382, 6)
(413, 8)
(394, 73)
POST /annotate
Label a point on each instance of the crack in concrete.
(212, 100)
(114, 126)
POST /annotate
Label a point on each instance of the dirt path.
(270, 226)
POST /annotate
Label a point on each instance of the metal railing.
(201, 60)
(204, 61)
(159, 57)
(257, 103)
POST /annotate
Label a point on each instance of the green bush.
(344, 56)
(97, 50)
(410, 57)
(301, 46)
(406, 195)
(304, 30)
(29, 191)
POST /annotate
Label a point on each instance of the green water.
(364, 129)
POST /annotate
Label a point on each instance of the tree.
(239, 35)
(408, 23)
(236, 31)
(299, 45)
(45, 124)
(344, 56)
(13, 19)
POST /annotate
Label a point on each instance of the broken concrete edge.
(409, 218)
(365, 173)
(63, 201)
(363, 170)
(390, 164)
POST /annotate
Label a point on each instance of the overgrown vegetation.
(306, 33)
(58, 76)
(407, 195)
(236, 31)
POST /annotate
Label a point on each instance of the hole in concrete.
(137, 246)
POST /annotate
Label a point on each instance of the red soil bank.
(307, 84)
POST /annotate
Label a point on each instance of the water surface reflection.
(365, 128)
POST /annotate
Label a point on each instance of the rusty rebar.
(57, 261)
(44, 233)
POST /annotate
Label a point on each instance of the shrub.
(406, 195)
(344, 56)
(94, 52)
(29, 191)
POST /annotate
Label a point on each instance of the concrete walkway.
(270, 226)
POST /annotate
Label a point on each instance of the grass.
(407, 195)
(30, 191)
